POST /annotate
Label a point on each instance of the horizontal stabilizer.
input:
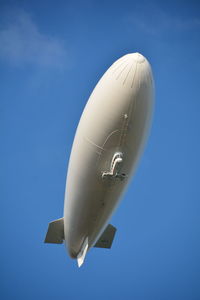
(106, 239)
(55, 233)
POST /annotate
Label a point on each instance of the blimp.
(108, 143)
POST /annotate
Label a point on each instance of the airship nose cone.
(139, 58)
(131, 70)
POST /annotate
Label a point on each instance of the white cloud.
(160, 21)
(21, 42)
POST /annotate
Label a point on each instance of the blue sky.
(52, 53)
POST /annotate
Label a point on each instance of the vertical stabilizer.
(82, 253)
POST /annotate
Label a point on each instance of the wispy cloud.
(22, 42)
(160, 22)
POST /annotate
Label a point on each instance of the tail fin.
(107, 237)
(55, 233)
(82, 253)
